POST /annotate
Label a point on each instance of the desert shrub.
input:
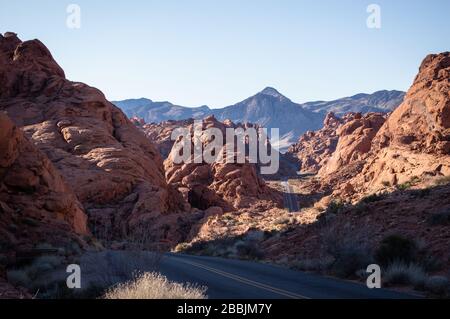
(182, 247)
(249, 250)
(318, 264)
(18, 278)
(282, 220)
(399, 273)
(413, 181)
(334, 207)
(444, 180)
(361, 208)
(396, 248)
(404, 186)
(348, 248)
(430, 263)
(349, 259)
(437, 285)
(155, 286)
(441, 218)
(421, 193)
(255, 235)
(373, 198)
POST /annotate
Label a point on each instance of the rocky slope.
(355, 140)
(414, 143)
(36, 205)
(390, 178)
(114, 170)
(230, 186)
(314, 148)
(378, 178)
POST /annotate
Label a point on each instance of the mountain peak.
(271, 91)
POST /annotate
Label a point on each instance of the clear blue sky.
(217, 52)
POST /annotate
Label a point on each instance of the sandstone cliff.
(114, 170)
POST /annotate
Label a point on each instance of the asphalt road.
(289, 197)
(228, 278)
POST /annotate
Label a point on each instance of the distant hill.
(268, 108)
(381, 101)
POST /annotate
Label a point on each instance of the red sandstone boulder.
(36, 205)
(115, 171)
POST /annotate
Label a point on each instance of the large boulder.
(115, 171)
(36, 205)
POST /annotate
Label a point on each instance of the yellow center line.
(247, 281)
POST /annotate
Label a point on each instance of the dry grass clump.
(151, 285)
(399, 273)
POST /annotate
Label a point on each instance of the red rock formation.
(227, 185)
(354, 140)
(160, 134)
(314, 148)
(422, 121)
(415, 140)
(36, 205)
(114, 170)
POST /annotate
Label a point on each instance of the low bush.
(18, 278)
(155, 286)
(319, 264)
(404, 186)
(334, 207)
(373, 198)
(399, 273)
(349, 259)
(395, 248)
(249, 250)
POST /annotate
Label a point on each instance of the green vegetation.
(335, 207)
(373, 198)
(396, 249)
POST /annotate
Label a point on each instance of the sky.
(217, 52)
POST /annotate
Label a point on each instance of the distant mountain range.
(268, 108)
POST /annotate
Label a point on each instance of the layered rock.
(230, 186)
(414, 143)
(160, 134)
(115, 171)
(314, 148)
(36, 205)
(355, 137)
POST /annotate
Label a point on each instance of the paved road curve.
(289, 197)
(228, 278)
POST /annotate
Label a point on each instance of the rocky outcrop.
(414, 143)
(230, 186)
(355, 137)
(36, 205)
(115, 171)
(361, 154)
(314, 148)
(160, 134)
(340, 142)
